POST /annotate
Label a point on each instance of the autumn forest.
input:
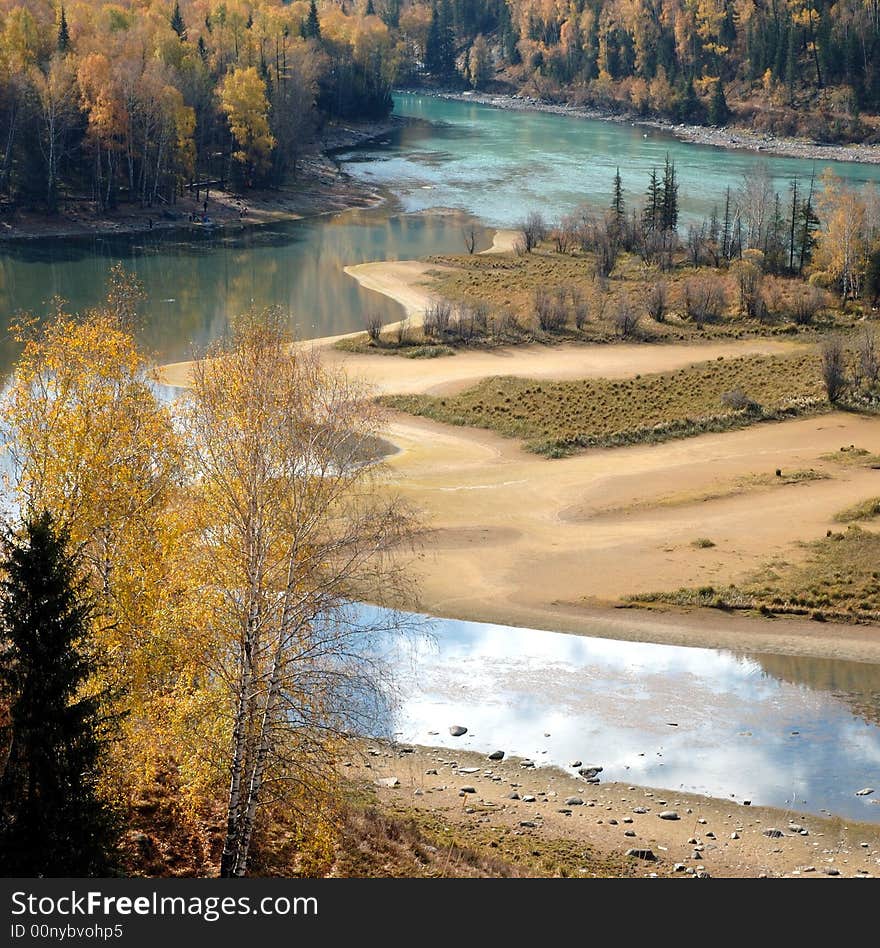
(131, 102)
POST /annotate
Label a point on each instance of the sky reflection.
(612, 703)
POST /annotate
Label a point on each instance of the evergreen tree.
(791, 65)
(391, 14)
(177, 23)
(52, 820)
(653, 201)
(809, 224)
(669, 197)
(432, 43)
(63, 41)
(440, 44)
(726, 228)
(312, 25)
(447, 41)
(690, 109)
(792, 223)
(371, 10)
(618, 205)
(719, 112)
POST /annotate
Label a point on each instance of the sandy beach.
(720, 837)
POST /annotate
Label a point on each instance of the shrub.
(437, 319)
(625, 319)
(657, 301)
(806, 303)
(737, 400)
(834, 368)
(532, 231)
(373, 325)
(580, 310)
(550, 309)
(704, 299)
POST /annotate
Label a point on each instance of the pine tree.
(312, 25)
(791, 65)
(653, 200)
(809, 224)
(618, 205)
(52, 820)
(177, 23)
(792, 223)
(719, 112)
(726, 228)
(370, 10)
(669, 197)
(63, 41)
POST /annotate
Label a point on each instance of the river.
(797, 733)
(486, 164)
(784, 732)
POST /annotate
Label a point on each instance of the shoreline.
(730, 137)
(322, 187)
(730, 838)
(487, 518)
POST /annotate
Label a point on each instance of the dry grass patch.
(852, 456)
(390, 839)
(417, 348)
(866, 510)
(507, 282)
(557, 418)
(840, 580)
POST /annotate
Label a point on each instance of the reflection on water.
(196, 280)
(497, 163)
(739, 730)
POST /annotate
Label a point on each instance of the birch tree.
(293, 528)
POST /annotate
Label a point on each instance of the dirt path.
(730, 838)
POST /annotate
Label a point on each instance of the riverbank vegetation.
(838, 580)
(760, 264)
(219, 543)
(135, 102)
(556, 418)
(808, 68)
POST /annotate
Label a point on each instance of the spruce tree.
(432, 43)
(447, 41)
(63, 41)
(312, 26)
(52, 820)
(177, 23)
(719, 112)
(690, 108)
(669, 197)
(617, 203)
(653, 200)
(791, 65)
